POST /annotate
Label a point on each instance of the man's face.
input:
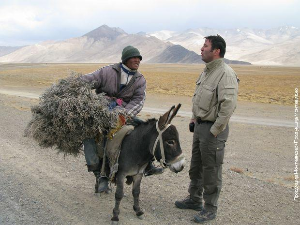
(207, 54)
(133, 63)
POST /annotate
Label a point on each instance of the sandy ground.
(39, 186)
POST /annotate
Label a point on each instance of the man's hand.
(214, 135)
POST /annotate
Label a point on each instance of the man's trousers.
(206, 165)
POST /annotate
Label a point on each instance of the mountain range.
(277, 46)
(244, 46)
(104, 44)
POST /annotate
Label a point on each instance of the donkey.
(153, 138)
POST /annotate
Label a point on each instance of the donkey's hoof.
(139, 213)
(141, 217)
(115, 220)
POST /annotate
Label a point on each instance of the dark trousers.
(91, 154)
(93, 159)
(206, 165)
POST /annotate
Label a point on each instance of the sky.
(25, 22)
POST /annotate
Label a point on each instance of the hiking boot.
(205, 216)
(189, 203)
(101, 185)
(152, 170)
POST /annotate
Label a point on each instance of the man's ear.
(217, 51)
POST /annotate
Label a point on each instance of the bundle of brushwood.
(68, 113)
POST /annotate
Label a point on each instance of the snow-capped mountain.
(273, 46)
(104, 44)
(277, 46)
(163, 34)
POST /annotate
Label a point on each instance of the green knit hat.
(129, 52)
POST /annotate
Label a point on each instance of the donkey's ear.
(164, 118)
(174, 113)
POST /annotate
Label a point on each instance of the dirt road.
(38, 186)
(155, 98)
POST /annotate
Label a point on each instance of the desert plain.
(39, 186)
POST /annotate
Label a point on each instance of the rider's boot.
(101, 183)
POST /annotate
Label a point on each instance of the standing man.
(125, 87)
(214, 102)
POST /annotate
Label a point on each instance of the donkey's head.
(169, 152)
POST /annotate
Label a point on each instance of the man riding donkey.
(125, 88)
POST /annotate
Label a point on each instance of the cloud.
(258, 2)
(131, 6)
(35, 20)
(13, 18)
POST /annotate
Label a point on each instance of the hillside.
(267, 47)
(102, 45)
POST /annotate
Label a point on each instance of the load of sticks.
(68, 113)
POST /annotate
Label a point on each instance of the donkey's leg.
(136, 193)
(118, 197)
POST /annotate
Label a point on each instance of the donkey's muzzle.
(178, 166)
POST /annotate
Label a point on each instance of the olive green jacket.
(215, 96)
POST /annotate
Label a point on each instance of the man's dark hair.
(217, 42)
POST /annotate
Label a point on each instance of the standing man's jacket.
(107, 80)
(215, 96)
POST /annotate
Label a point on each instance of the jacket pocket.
(206, 97)
(230, 90)
(196, 93)
(216, 153)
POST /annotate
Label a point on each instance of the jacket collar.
(117, 67)
(127, 70)
(213, 64)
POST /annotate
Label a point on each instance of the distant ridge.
(178, 54)
(276, 46)
(105, 31)
(5, 50)
(103, 45)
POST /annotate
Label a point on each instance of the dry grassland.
(265, 84)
